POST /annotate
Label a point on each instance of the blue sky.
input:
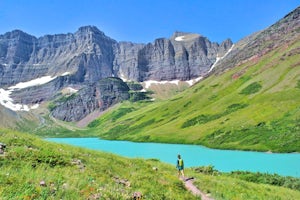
(144, 20)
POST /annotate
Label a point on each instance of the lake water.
(194, 155)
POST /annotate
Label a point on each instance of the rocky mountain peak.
(89, 30)
(184, 36)
(17, 34)
(83, 58)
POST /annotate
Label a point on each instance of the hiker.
(180, 166)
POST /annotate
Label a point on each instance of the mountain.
(34, 71)
(251, 48)
(250, 100)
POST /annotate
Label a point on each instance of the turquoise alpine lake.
(285, 164)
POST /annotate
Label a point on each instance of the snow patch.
(220, 58)
(7, 101)
(193, 81)
(147, 84)
(35, 106)
(71, 90)
(150, 82)
(4, 95)
(123, 77)
(34, 82)
(179, 38)
(187, 37)
(66, 73)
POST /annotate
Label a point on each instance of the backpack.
(180, 162)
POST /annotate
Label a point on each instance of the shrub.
(139, 96)
(251, 89)
(202, 119)
(206, 170)
(51, 106)
(235, 107)
(120, 113)
(187, 104)
(134, 86)
(271, 179)
(298, 84)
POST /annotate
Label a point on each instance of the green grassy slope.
(254, 106)
(29, 160)
(76, 173)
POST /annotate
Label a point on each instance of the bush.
(235, 107)
(271, 179)
(202, 119)
(134, 86)
(298, 84)
(139, 96)
(120, 113)
(251, 89)
(206, 170)
(51, 106)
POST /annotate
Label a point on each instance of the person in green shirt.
(180, 166)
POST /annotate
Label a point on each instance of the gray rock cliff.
(100, 95)
(83, 58)
(87, 55)
(184, 56)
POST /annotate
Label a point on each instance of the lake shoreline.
(195, 155)
(163, 142)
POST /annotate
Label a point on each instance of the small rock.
(53, 189)
(65, 186)
(137, 196)
(43, 184)
(2, 148)
(76, 162)
(94, 196)
(155, 168)
(124, 182)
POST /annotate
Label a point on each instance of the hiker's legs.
(182, 173)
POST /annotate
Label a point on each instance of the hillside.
(74, 173)
(32, 168)
(252, 106)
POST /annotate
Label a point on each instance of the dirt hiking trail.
(188, 182)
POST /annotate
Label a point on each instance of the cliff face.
(184, 56)
(90, 55)
(84, 58)
(86, 54)
(98, 96)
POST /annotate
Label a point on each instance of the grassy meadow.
(76, 173)
(32, 168)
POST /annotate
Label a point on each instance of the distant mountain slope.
(52, 64)
(282, 33)
(253, 104)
